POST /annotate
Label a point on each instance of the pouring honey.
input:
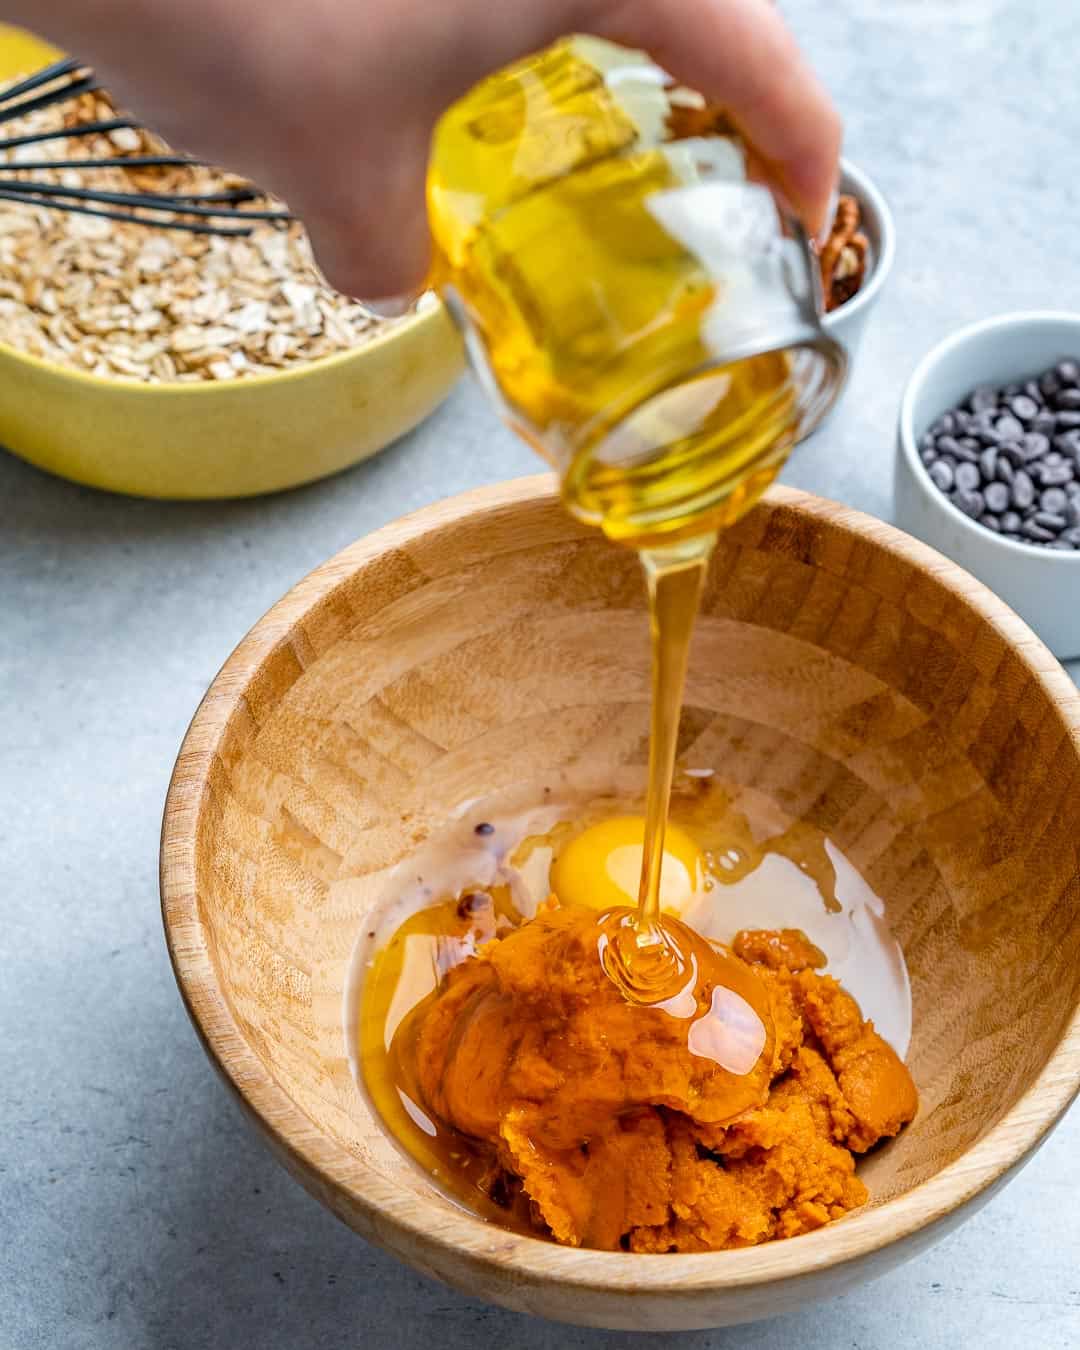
(645, 318)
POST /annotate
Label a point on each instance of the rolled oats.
(125, 301)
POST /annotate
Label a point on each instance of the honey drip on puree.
(587, 316)
(644, 958)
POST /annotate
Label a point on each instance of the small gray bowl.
(1042, 585)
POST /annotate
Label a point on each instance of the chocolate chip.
(1068, 400)
(1053, 499)
(1005, 472)
(1023, 407)
(1011, 522)
(1067, 421)
(944, 426)
(990, 522)
(996, 496)
(1031, 388)
(1072, 514)
(1072, 536)
(1033, 444)
(1008, 428)
(1056, 475)
(1023, 491)
(967, 477)
(473, 902)
(1013, 453)
(983, 399)
(1031, 529)
(971, 503)
(1049, 383)
(988, 462)
(1050, 520)
(942, 475)
(1044, 421)
(500, 1191)
(1068, 443)
(1068, 371)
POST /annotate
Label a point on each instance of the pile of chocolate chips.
(1010, 458)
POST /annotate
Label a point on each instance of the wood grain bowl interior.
(852, 676)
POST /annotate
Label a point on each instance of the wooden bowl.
(855, 676)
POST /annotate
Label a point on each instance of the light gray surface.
(136, 1210)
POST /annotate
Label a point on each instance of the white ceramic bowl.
(1042, 585)
(848, 323)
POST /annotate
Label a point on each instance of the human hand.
(331, 103)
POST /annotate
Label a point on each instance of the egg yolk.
(601, 867)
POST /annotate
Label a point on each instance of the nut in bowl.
(857, 257)
(156, 351)
(358, 716)
(1006, 504)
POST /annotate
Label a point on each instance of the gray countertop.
(136, 1209)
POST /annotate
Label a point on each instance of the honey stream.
(645, 960)
(590, 307)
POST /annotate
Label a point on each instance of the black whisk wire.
(188, 204)
(68, 65)
(197, 213)
(74, 133)
(113, 162)
(73, 208)
(85, 84)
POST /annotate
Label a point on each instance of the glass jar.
(639, 308)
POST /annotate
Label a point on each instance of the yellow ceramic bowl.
(221, 440)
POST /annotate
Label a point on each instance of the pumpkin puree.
(616, 1132)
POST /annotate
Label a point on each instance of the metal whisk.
(66, 80)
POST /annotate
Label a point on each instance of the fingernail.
(391, 306)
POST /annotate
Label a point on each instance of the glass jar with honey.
(639, 307)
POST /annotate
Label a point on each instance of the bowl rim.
(336, 1176)
(394, 330)
(858, 184)
(1010, 319)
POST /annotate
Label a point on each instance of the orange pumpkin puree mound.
(623, 1137)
